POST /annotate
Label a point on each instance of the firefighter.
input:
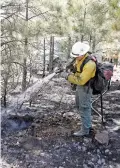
(83, 91)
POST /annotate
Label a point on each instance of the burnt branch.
(4, 43)
(38, 15)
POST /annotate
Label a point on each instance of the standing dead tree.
(24, 80)
(44, 60)
(51, 56)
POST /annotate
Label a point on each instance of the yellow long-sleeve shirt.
(88, 72)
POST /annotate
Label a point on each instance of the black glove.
(58, 70)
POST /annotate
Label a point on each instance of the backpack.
(101, 81)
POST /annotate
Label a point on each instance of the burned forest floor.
(40, 136)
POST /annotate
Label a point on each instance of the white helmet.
(79, 49)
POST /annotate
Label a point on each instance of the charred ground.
(40, 136)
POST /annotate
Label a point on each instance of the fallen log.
(30, 92)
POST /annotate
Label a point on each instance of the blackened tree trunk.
(24, 79)
(90, 40)
(93, 44)
(83, 26)
(53, 46)
(6, 77)
(44, 61)
(82, 38)
(69, 47)
(51, 56)
(5, 92)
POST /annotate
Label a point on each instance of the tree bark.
(82, 38)
(94, 44)
(44, 61)
(83, 31)
(51, 56)
(24, 80)
(90, 40)
(5, 93)
(53, 46)
(69, 47)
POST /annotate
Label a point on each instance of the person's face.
(79, 57)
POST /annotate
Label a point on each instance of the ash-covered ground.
(40, 136)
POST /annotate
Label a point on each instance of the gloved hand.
(58, 70)
(65, 75)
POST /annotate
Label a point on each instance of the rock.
(99, 161)
(78, 124)
(79, 147)
(98, 151)
(5, 143)
(18, 143)
(91, 164)
(94, 158)
(103, 160)
(110, 166)
(107, 151)
(85, 166)
(42, 154)
(102, 137)
(113, 159)
(89, 153)
(68, 114)
(5, 148)
(110, 153)
(86, 140)
(84, 148)
(27, 157)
